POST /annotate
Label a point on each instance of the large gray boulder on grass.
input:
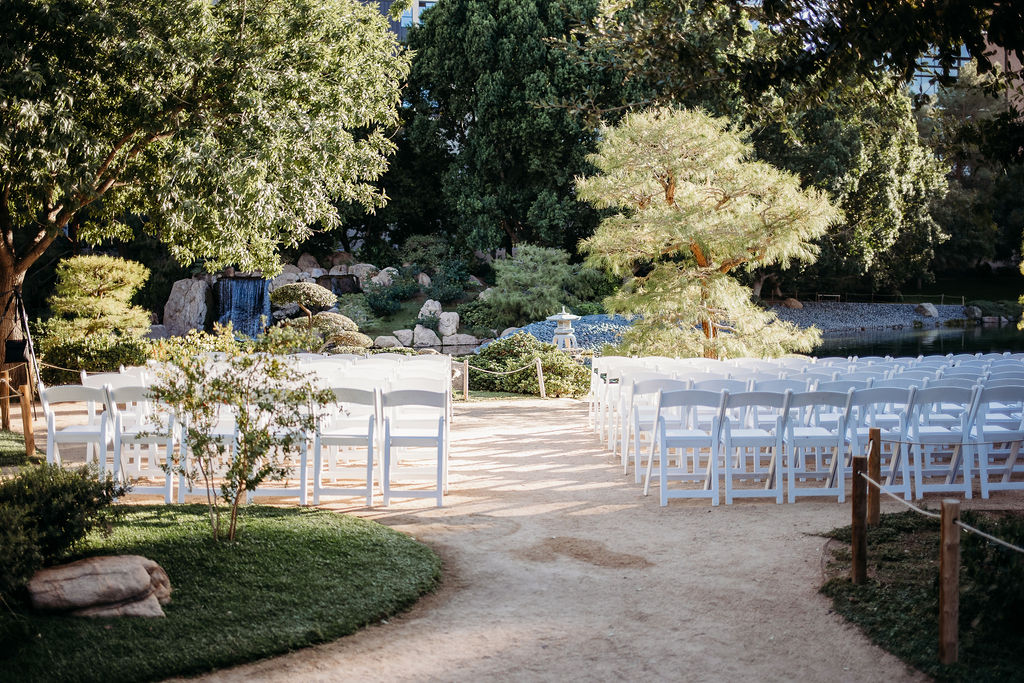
(927, 310)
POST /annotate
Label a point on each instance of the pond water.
(926, 342)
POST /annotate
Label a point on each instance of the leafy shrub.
(381, 300)
(404, 285)
(562, 375)
(92, 353)
(350, 339)
(19, 555)
(354, 307)
(329, 323)
(449, 282)
(431, 322)
(992, 592)
(286, 339)
(61, 506)
(587, 308)
(222, 339)
(402, 350)
(591, 284)
(426, 251)
(476, 314)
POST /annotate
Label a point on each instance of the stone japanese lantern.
(564, 336)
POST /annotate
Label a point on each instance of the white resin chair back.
(415, 419)
(946, 469)
(884, 409)
(696, 465)
(93, 432)
(135, 424)
(816, 448)
(348, 433)
(997, 426)
(752, 445)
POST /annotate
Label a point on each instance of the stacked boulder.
(422, 336)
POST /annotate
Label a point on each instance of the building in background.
(410, 17)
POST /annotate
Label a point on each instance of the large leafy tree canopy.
(481, 71)
(693, 208)
(851, 134)
(984, 209)
(232, 126)
(861, 146)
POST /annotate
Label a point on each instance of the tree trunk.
(11, 280)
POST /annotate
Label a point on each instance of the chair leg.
(386, 478)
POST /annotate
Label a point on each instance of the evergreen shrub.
(563, 376)
(92, 353)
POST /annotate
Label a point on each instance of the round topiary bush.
(357, 339)
(333, 323)
(308, 296)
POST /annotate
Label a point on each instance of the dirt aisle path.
(558, 569)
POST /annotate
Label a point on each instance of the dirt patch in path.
(557, 568)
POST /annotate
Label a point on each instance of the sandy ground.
(556, 567)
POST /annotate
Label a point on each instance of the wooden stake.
(859, 540)
(540, 379)
(875, 472)
(949, 582)
(5, 401)
(465, 380)
(26, 421)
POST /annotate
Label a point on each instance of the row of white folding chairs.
(610, 374)
(619, 439)
(758, 435)
(129, 421)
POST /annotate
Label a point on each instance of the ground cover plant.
(291, 579)
(897, 608)
(563, 376)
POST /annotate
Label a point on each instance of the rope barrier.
(508, 372)
(932, 515)
(900, 500)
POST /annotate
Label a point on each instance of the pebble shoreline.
(592, 331)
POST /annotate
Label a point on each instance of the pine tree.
(693, 208)
(93, 295)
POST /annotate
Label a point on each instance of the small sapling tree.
(271, 404)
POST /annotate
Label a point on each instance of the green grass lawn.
(898, 607)
(293, 578)
(404, 319)
(12, 450)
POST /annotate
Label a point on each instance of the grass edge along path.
(293, 578)
(898, 607)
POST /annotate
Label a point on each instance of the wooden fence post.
(26, 421)
(540, 379)
(5, 401)
(875, 472)
(465, 380)
(949, 582)
(859, 540)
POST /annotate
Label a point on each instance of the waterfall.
(243, 301)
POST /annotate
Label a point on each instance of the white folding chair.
(677, 428)
(414, 419)
(752, 445)
(816, 450)
(997, 427)
(926, 435)
(884, 409)
(135, 425)
(93, 433)
(350, 426)
(641, 420)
